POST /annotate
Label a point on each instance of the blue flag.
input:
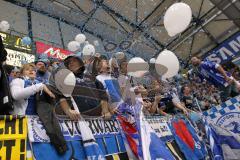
(212, 138)
(228, 141)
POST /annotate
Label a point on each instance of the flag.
(187, 140)
(226, 115)
(152, 147)
(228, 142)
(130, 137)
(216, 149)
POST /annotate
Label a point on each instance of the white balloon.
(65, 82)
(4, 26)
(152, 60)
(177, 18)
(167, 59)
(137, 67)
(88, 50)
(119, 55)
(81, 38)
(73, 46)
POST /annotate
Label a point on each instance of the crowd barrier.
(24, 137)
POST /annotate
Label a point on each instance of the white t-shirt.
(112, 88)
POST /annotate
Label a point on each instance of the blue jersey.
(31, 107)
(208, 70)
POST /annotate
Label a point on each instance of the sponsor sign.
(14, 42)
(42, 48)
(226, 51)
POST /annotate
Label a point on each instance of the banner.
(159, 125)
(106, 133)
(226, 115)
(42, 48)
(13, 134)
(226, 50)
(15, 58)
(70, 129)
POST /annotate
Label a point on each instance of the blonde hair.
(26, 66)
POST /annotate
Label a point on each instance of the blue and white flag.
(229, 142)
(226, 115)
(216, 148)
(152, 146)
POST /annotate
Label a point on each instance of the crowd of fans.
(103, 85)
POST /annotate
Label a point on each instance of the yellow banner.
(13, 134)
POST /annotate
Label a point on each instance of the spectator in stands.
(24, 89)
(42, 74)
(54, 64)
(87, 95)
(108, 83)
(15, 73)
(216, 75)
(114, 69)
(188, 98)
(5, 95)
(169, 102)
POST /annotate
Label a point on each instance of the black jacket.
(6, 102)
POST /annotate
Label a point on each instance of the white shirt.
(21, 95)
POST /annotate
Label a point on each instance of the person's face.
(30, 72)
(147, 104)
(195, 61)
(13, 74)
(187, 90)
(104, 66)
(74, 65)
(41, 67)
